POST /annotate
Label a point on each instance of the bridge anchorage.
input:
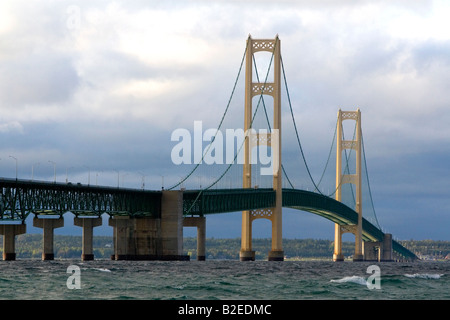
(148, 225)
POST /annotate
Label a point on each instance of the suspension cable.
(346, 167)
(329, 155)
(295, 127)
(243, 142)
(300, 146)
(268, 122)
(368, 182)
(220, 124)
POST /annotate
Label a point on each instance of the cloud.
(14, 126)
(104, 85)
(41, 78)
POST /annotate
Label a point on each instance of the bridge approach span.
(19, 198)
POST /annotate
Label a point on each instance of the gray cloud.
(108, 93)
(37, 79)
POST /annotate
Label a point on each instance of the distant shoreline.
(69, 246)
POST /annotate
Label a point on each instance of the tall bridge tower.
(273, 139)
(354, 178)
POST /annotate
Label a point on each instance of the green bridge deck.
(197, 202)
(19, 198)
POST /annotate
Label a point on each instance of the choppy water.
(224, 280)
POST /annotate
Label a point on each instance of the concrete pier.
(48, 225)
(337, 255)
(121, 234)
(379, 250)
(136, 238)
(276, 255)
(247, 255)
(9, 232)
(88, 225)
(151, 238)
(172, 225)
(146, 242)
(200, 223)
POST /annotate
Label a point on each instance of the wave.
(102, 269)
(352, 279)
(424, 275)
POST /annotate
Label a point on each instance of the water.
(222, 280)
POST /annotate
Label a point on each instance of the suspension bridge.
(148, 224)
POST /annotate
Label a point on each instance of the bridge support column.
(148, 238)
(200, 223)
(338, 256)
(379, 250)
(344, 178)
(48, 225)
(274, 215)
(277, 253)
(246, 253)
(88, 225)
(273, 141)
(172, 225)
(146, 243)
(9, 232)
(136, 238)
(121, 235)
(387, 248)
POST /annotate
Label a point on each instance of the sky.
(91, 91)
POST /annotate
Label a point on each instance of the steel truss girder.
(19, 198)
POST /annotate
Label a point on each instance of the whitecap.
(424, 275)
(352, 279)
(102, 269)
(180, 287)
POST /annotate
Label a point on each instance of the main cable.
(221, 121)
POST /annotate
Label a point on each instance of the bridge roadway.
(19, 198)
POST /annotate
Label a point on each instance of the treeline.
(309, 248)
(29, 246)
(428, 249)
(300, 248)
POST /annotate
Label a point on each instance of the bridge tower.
(273, 139)
(355, 179)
